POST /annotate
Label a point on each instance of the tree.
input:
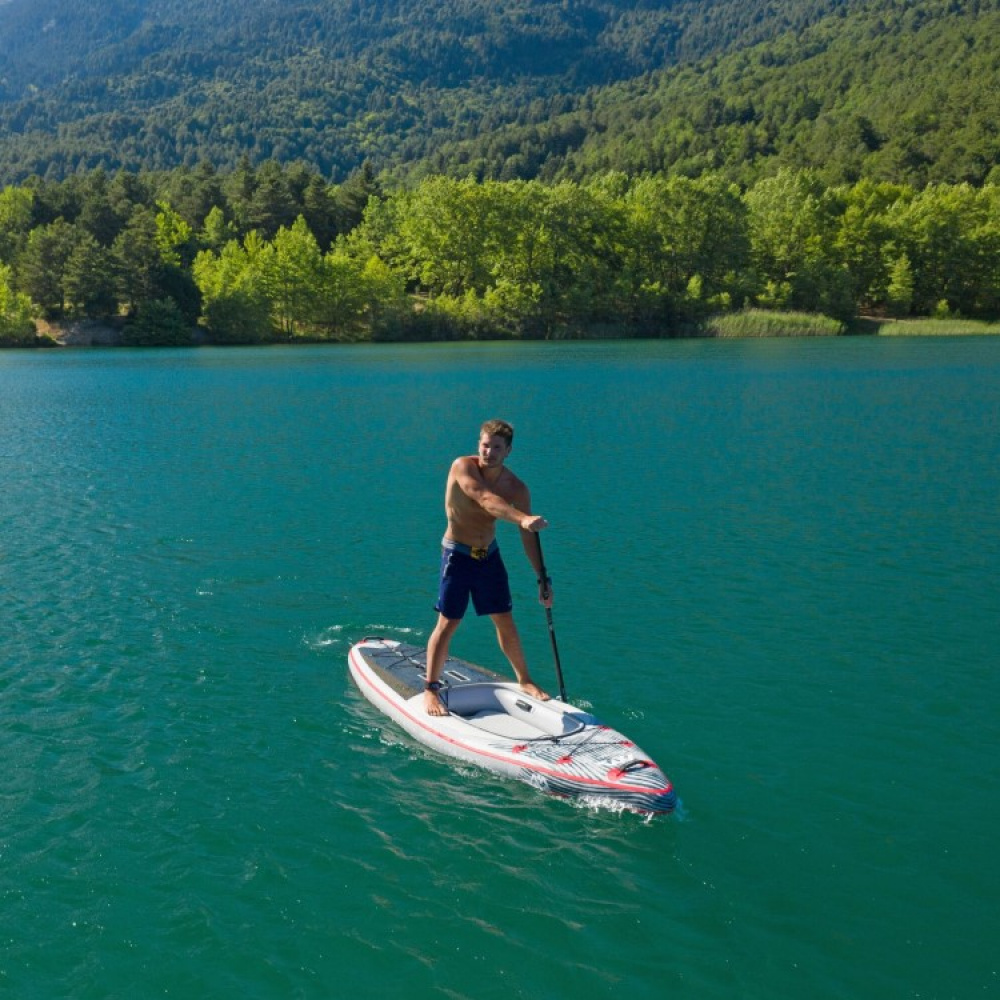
(271, 205)
(319, 211)
(216, 232)
(899, 293)
(238, 189)
(864, 238)
(100, 212)
(685, 247)
(386, 304)
(351, 198)
(556, 253)
(41, 266)
(793, 221)
(174, 237)
(15, 221)
(149, 262)
(951, 237)
(234, 307)
(137, 260)
(445, 229)
(292, 273)
(346, 291)
(193, 193)
(127, 192)
(157, 323)
(16, 326)
(89, 279)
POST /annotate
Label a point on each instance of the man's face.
(493, 450)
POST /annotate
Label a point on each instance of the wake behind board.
(553, 746)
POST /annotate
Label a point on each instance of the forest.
(200, 172)
(901, 92)
(894, 90)
(276, 253)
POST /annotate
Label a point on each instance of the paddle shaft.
(548, 618)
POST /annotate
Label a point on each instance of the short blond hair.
(500, 428)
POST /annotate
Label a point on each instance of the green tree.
(174, 237)
(380, 234)
(685, 248)
(292, 276)
(157, 323)
(899, 293)
(271, 205)
(345, 293)
(216, 232)
(127, 192)
(951, 236)
(149, 257)
(193, 193)
(351, 198)
(16, 310)
(41, 265)
(238, 189)
(89, 279)
(864, 238)
(445, 227)
(387, 304)
(15, 221)
(320, 211)
(235, 309)
(558, 254)
(138, 260)
(100, 212)
(793, 222)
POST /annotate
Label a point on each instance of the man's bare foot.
(532, 689)
(433, 705)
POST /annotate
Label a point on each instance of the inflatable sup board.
(552, 745)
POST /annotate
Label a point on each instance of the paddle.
(548, 618)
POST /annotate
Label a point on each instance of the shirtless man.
(480, 492)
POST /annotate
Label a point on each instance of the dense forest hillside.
(503, 89)
(340, 170)
(901, 91)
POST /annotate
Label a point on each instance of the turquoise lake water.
(775, 566)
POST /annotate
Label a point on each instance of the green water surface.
(775, 566)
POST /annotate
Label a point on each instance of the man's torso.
(468, 523)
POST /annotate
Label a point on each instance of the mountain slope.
(899, 91)
(892, 89)
(133, 83)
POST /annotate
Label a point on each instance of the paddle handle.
(552, 627)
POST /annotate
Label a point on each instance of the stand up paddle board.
(491, 722)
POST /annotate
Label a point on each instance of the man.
(480, 491)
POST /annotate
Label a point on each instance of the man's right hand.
(533, 523)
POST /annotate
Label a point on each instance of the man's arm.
(472, 485)
(532, 549)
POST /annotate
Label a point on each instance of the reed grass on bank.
(931, 327)
(765, 323)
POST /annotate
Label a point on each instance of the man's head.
(498, 428)
(495, 438)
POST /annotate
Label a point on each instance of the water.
(775, 566)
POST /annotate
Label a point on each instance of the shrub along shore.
(275, 255)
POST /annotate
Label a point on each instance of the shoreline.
(77, 333)
(755, 324)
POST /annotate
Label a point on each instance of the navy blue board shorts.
(473, 573)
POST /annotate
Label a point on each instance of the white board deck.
(554, 746)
